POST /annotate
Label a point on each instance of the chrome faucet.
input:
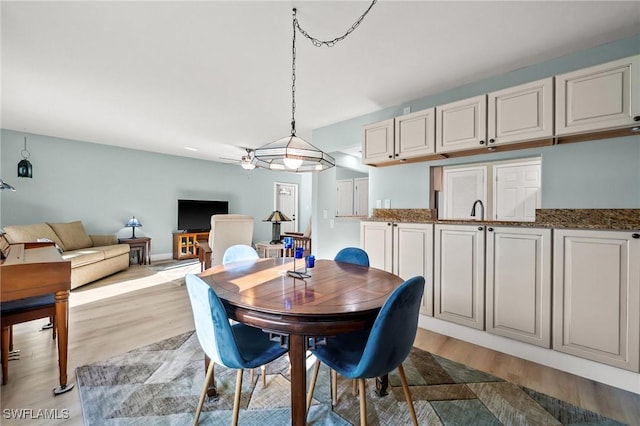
(473, 209)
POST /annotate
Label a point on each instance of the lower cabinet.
(518, 284)
(405, 249)
(459, 274)
(596, 296)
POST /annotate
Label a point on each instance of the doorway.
(286, 200)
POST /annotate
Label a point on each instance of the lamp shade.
(133, 224)
(277, 216)
(293, 154)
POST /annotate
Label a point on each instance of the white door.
(286, 200)
(461, 188)
(517, 191)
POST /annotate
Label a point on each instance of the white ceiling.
(216, 75)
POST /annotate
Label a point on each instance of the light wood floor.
(138, 307)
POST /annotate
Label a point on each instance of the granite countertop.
(614, 219)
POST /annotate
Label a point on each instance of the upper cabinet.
(378, 142)
(520, 113)
(461, 125)
(415, 134)
(605, 96)
(517, 114)
(399, 139)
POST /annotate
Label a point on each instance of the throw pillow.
(30, 233)
(72, 234)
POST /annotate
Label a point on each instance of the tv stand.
(185, 244)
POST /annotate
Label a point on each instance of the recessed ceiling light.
(188, 148)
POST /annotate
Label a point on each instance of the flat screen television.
(195, 215)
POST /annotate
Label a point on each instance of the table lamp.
(275, 218)
(133, 224)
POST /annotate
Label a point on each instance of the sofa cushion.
(30, 233)
(84, 256)
(72, 234)
(115, 250)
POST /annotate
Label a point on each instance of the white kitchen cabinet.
(461, 125)
(361, 197)
(413, 255)
(596, 296)
(344, 197)
(459, 260)
(520, 113)
(518, 284)
(601, 97)
(378, 142)
(415, 134)
(376, 238)
(404, 249)
(399, 139)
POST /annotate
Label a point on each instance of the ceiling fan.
(245, 161)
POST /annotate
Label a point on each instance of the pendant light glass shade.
(293, 154)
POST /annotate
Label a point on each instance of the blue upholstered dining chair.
(238, 253)
(234, 346)
(374, 353)
(353, 255)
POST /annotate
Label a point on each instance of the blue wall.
(104, 186)
(597, 174)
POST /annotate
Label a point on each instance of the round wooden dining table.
(335, 298)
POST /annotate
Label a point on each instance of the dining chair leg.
(355, 387)
(203, 394)
(5, 353)
(312, 384)
(263, 371)
(407, 395)
(334, 388)
(363, 402)
(236, 399)
(251, 375)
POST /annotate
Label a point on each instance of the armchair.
(227, 230)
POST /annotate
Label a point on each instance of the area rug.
(160, 385)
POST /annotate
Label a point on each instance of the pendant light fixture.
(293, 153)
(25, 169)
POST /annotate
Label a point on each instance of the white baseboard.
(161, 256)
(602, 373)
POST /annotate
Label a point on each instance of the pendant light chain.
(293, 78)
(331, 43)
(317, 43)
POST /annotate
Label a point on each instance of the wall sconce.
(4, 186)
(25, 169)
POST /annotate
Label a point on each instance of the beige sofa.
(92, 256)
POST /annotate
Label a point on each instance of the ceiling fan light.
(248, 165)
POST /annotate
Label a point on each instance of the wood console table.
(36, 272)
(142, 245)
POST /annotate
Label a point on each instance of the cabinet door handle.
(635, 236)
(489, 229)
(480, 228)
(395, 224)
(492, 140)
(481, 142)
(636, 118)
(391, 156)
(388, 223)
